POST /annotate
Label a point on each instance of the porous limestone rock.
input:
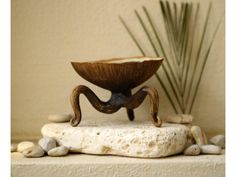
(136, 139)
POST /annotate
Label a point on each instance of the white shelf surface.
(82, 165)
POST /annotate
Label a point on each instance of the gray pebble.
(58, 151)
(32, 152)
(13, 147)
(192, 150)
(47, 143)
(210, 149)
(218, 140)
(58, 118)
(24, 145)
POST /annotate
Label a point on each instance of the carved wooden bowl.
(119, 75)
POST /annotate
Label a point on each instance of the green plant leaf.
(181, 65)
(131, 35)
(198, 53)
(157, 76)
(203, 66)
(157, 54)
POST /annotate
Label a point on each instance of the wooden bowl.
(118, 74)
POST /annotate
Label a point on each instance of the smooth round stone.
(58, 151)
(210, 149)
(24, 145)
(13, 147)
(192, 150)
(33, 152)
(218, 140)
(197, 135)
(179, 118)
(205, 140)
(58, 118)
(47, 143)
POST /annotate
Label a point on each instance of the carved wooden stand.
(117, 100)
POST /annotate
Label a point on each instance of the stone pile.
(200, 144)
(177, 135)
(45, 146)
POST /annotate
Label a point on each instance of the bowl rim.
(122, 59)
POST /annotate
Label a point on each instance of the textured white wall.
(47, 35)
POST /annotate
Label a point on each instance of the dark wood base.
(117, 100)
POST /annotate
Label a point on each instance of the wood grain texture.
(117, 101)
(117, 77)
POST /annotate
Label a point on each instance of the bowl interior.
(118, 74)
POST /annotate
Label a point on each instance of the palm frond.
(191, 46)
(183, 51)
(157, 54)
(203, 66)
(143, 53)
(132, 36)
(196, 60)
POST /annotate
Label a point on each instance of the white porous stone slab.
(136, 139)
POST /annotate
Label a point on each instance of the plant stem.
(143, 53)
(131, 35)
(161, 47)
(167, 93)
(203, 66)
(191, 48)
(198, 53)
(156, 52)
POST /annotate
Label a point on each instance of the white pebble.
(24, 145)
(179, 118)
(218, 140)
(197, 135)
(58, 151)
(34, 151)
(58, 118)
(13, 147)
(210, 149)
(204, 137)
(47, 143)
(192, 150)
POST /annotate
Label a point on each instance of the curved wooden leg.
(117, 101)
(130, 112)
(154, 102)
(105, 107)
(138, 98)
(74, 99)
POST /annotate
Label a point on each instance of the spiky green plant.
(185, 55)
